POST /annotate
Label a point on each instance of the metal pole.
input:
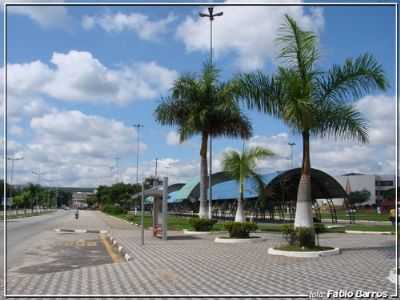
(137, 126)
(211, 16)
(142, 216)
(165, 208)
(156, 168)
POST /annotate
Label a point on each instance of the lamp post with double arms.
(211, 15)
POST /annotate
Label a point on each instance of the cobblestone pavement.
(186, 265)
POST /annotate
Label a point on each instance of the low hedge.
(302, 236)
(240, 230)
(202, 224)
(113, 209)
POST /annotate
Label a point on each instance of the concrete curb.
(192, 232)
(254, 239)
(80, 230)
(305, 254)
(119, 248)
(367, 232)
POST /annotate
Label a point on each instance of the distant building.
(79, 199)
(375, 184)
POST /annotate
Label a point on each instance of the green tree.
(240, 166)
(203, 105)
(358, 197)
(312, 102)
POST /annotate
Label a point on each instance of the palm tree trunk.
(203, 177)
(239, 217)
(304, 217)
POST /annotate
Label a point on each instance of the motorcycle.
(77, 215)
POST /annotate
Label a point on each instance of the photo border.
(179, 4)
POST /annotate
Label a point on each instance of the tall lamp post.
(38, 174)
(137, 126)
(211, 17)
(13, 159)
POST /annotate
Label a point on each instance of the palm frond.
(352, 80)
(259, 91)
(298, 48)
(341, 120)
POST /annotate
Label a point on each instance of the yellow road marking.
(115, 257)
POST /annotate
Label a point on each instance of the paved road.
(23, 231)
(197, 265)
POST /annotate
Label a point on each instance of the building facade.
(375, 184)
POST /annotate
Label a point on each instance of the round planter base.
(190, 232)
(305, 254)
(392, 276)
(227, 240)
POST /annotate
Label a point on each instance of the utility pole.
(211, 17)
(12, 159)
(291, 154)
(38, 174)
(137, 126)
(156, 167)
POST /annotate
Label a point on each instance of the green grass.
(28, 214)
(179, 223)
(300, 249)
(362, 214)
(379, 228)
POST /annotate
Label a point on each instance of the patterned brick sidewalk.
(196, 265)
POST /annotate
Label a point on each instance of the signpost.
(164, 208)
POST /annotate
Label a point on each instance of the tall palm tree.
(243, 165)
(201, 104)
(312, 102)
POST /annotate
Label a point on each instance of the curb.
(367, 232)
(254, 239)
(80, 230)
(120, 249)
(305, 254)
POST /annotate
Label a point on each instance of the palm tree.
(242, 165)
(203, 105)
(312, 102)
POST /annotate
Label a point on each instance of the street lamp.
(137, 126)
(211, 17)
(13, 159)
(38, 174)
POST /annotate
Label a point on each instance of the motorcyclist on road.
(77, 213)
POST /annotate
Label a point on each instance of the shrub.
(112, 209)
(131, 218)
(289, 233)
(301, 236)
(306, 237)
(202, 224)
(240, 229)
(320, 228)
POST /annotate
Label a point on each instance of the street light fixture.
(211, 17)
(137, 126)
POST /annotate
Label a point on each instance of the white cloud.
(376, 157)
(172, 138)
(255, 29)
(78, 76)
(73, 148)
(138, 23)
(45, 16)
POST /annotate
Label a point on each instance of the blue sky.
(79, 77)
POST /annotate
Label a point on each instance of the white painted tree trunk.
(304, 215)
(239, 217)
(203, 211)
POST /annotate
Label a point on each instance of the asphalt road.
(22, 232)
